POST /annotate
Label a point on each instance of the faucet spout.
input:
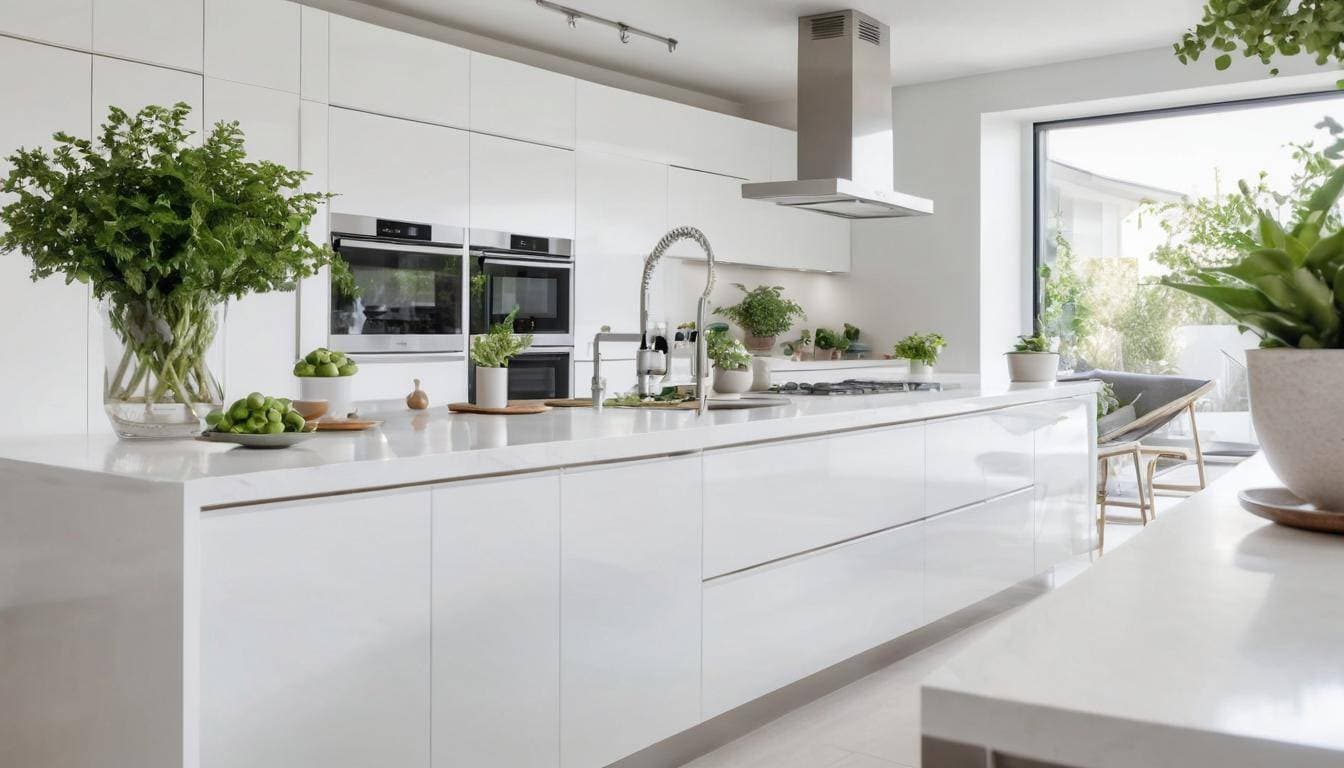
(650, 265)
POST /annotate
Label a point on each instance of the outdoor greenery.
(500, 345)
(1035, 343)
(727, 352)
(920, 347)
(763, 310)
(1264, 29)
(163, 231)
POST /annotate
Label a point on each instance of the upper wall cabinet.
(783, 145)
(64, 22)
(521, 187)
(254, 42)
(393, 73)
(156, 31)
(398, 169)
(521, 102)
(314, 59)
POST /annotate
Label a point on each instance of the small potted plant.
(491, 353)
(922, 350)
(325, 376)
(763, 313)
(1031, 360)
(834, 343)
(732, 364)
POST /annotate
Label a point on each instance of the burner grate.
(855, 387)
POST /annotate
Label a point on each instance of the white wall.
(966, 143)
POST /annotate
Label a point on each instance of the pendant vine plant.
(1264, 29)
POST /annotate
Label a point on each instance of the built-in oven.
(538, 373)
(534, 275)
(409, 285)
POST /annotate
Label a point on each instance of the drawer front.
(766, 628)
(767, 502)
(974, 458)
(975, 552)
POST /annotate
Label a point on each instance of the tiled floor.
(874, 722)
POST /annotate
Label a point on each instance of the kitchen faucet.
(651, 363)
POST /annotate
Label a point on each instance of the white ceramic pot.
(492, 387)
(760, 373)
(920, 371)
(1297, 406)
(338, 391)
(1033, 366)
(732, 383)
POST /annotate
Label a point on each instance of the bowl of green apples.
(326, 374)
(257, 421)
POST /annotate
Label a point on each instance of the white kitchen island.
(563, 589)
(1210, 639)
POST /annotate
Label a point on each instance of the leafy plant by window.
(727, 352)
(763, 310)
(920, 347)
(163, 231)
(1036, 343)
(1264, 29)
(500, 345)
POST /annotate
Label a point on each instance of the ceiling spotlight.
(623, 30)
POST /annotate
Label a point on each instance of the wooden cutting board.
(343, 425)
(514, 408)
(583, 402)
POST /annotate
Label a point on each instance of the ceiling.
(746, 50)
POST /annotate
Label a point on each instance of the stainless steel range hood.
(844, 123)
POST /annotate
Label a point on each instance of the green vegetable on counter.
(257, 414)
(325, 363)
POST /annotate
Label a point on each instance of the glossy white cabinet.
(394, 73)
(975, 457)
(713, 204)
(400, 169)
(765, 502)
(783, 145)
(1065, 480)
(315, 633)
(974, 552)
(629, 607)
(621, 213)
(64, 22)
(155, 31)
(442, 376)
(253, 41)
(314, 292)
(314, 67)
(518, 186)
(48, 345)
(521, 102)
(497, 622)
(770, 626)
(625, 123)
(812, 240)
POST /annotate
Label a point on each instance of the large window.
(1125, 200)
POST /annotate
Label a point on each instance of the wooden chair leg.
(1101, 507)
(1152, 494)
(1138, 478)
(1199, 453)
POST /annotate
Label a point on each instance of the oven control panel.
(404, 230)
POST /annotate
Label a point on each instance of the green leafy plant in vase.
(1032, 360)
(732, 363)
(762, 314)
(921, 350)
(163, 232)
(490, 354)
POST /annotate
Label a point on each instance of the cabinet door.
(394, 73)
(314, 73)
(253, 41)
(976, 457)
(48, 383)
(625, 123)
(157, 31)
(261, 342)
(783, 153)
(315, 633)
(315, 292)
(621, 213)
(816, 241)
(1065, 467)
(629, 607)
(399, 169)
(64, 22)
(521, 102)
(521, 187)
(974, 552)
(714, 205)
(497, 622)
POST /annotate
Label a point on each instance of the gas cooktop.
(856, 387)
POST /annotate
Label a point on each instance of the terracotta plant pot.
(758, 344)
(1297, 406)
(732, 383)
(1033, 366)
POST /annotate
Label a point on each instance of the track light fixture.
(623, 30)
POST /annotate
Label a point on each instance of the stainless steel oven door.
(541, 289)
(409, 298)
(539, 373)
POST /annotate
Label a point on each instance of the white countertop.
(1211, 638)
(424, 446)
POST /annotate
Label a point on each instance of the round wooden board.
(571, 402)
(343, 425)
(1284, 508)
(515, 408)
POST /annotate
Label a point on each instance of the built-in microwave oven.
(409, 282)
(534, 275)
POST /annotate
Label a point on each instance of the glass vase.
(158, 357)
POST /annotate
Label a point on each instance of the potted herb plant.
(834, 343)
(763, 313)
(491, 353)
(922, 350)
(1032, 360)
(1288, 288)
(732, 364)
(163, 232)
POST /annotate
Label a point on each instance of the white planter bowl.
(1033, 366)
(1297, 406)
(920, 371)
(492, 387)
(732, 383)
(338, 391)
